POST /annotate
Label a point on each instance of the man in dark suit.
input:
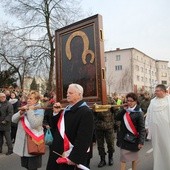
(73, 133)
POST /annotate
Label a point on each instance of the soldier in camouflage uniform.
(104, 123)
(140, 96)
(144, 104)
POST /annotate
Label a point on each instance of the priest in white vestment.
(158, 126)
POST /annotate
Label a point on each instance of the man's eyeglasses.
(130, 100)
(57, 107)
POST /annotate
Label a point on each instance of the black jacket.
(6, 112)
(48, 116)
(79, 130)
(138, 121)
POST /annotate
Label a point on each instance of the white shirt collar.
(131, 108)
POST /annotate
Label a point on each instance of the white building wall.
(118, 71)
(162, 72)
(137, 71)
(144, 71)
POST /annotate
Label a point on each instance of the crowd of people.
(134, 119)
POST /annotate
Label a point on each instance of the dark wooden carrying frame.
(80, 59)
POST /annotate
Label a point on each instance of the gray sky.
(142, 24)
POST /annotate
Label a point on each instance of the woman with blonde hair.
(30, 120)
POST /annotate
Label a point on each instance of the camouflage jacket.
(104, 120)
(144, 105)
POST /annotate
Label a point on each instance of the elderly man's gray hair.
(78, 88)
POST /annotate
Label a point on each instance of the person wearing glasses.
(158, 127)
(73, 133)
(131, 134)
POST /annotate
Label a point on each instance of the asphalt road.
(145, 161)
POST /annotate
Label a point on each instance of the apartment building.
(163, 75)
(130, 70)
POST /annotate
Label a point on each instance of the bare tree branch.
(33, 35)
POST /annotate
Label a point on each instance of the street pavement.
(145, 162)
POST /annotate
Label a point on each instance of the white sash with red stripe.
(67, 144)
(61, 127)
(129, 124)
(36, 135)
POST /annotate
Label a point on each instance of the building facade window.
(164, 82)
(163, 66)
(138, 78)
(117, 57)
(164, 74)
(118, 67)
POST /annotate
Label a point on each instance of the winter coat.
(6, 112)
(104, 120)
(138, 121)
(35, 118)
(79, 130)
(16, 104)
(144, 105)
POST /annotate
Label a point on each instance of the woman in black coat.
(16, 104)
(130, 137)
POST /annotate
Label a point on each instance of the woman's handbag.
(48, 137)
(130, 138)
(34, 147)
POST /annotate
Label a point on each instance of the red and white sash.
(129, 124)
(67, 144)
(61, 127)
(36, 135)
